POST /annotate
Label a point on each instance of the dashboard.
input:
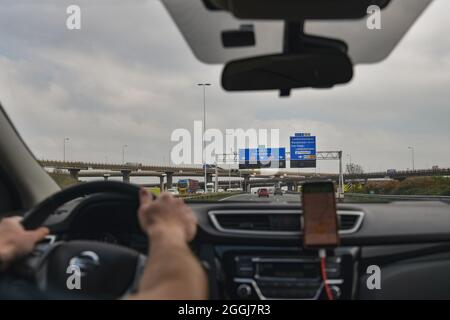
(254, 251)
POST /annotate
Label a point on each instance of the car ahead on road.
(263, 192)
(278, 192)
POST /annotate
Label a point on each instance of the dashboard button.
(336, 292)
(244, 291)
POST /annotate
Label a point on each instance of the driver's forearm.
(172, 271)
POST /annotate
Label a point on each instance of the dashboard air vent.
(348, 221)
(244, 222)
(279, 222)
(259, 222)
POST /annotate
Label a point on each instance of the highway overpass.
(78, 169)
(248, 178)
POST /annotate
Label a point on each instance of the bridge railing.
(80, 165)
(126, 166)
(399, 173)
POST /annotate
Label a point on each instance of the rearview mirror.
(288, 71)
(297, 10)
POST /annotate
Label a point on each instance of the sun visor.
(204, 30)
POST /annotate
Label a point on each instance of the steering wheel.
(55, 266)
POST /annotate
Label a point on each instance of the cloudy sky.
(128, 77)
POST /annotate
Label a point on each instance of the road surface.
(254, 197)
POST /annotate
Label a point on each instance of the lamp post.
(123, 153)
(341, 177)
(412, 157)
(229, 172)
(64, 148)
(231, 155)
(204, 85)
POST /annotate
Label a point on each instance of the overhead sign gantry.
(303, 151)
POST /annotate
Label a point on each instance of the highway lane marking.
(236, 195)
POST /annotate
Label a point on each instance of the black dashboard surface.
(382, 224)
(392, 223)
(406, 239)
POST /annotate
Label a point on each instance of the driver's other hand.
(15, 241)
(167, 215)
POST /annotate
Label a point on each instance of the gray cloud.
(128, 77)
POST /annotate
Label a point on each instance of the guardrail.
(207, 196)
(399, 173)
(399, 197)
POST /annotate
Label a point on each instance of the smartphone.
(320, 224)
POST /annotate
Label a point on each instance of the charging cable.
(322, 256)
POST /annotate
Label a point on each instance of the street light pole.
(229, 164)
(123, 153)
(204, 85)
(341, 177)
(412, 157)
(216, 171)
(64, 148)
(229, 172)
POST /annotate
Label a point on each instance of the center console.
(286, 274)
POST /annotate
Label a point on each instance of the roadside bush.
(439, 186)
(380, 187)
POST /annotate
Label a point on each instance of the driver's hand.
(167, 215)
(15, 241)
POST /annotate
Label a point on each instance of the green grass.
(63, 179)
(424, 186)
(209, 196)
(363, 199)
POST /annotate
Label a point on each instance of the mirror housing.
(243, 37)
(310, 69)
(297, 10)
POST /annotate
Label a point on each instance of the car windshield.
(136, 91)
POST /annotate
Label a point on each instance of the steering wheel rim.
(59, 253)
(36, 216)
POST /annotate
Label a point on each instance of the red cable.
(324, 278)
